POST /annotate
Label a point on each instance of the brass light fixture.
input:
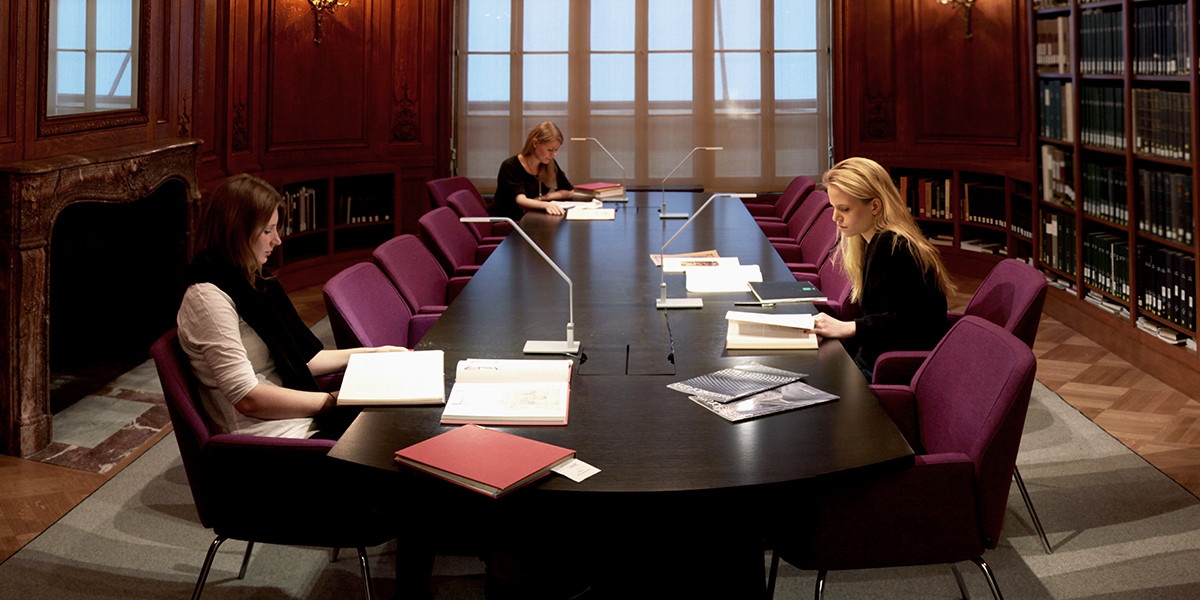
(966, 6)
(320, 7)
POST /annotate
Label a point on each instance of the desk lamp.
(570, 346)
(663, 301)
(614, 159)
(662, 213)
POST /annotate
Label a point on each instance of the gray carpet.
(1121, 530)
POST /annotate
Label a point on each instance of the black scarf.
(268, 310)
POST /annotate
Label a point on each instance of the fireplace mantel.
(32, 194)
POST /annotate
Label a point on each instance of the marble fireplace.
(32, 196)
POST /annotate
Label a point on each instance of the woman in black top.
(897, 276)
(532, 179)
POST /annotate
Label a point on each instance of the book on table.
(680, 264)
(510, 392)
(733, 278)
(736, 382)
(591, 214)
(600, 189)
(485, 460)
(383, 378)
(767, 331)
(783, 292)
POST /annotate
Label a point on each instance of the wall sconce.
(328, 6)
(966, 6)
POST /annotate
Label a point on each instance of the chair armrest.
(483, 251)
(466, 271)
(952, 317)
(898, 366)
(432, 309)
(809, 277)
(789, 252)
(944, 458)
(419, 325)
(759, 209)
(799, 268)
(900, 404)
(454, 286)
(774, 229)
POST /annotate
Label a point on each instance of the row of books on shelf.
(1044, 4)
(1100, 44)
(1104, 192)
(1022, 216)
(301, 207)
(1165, 205)
(927, 196)
(1167, 285)
(984, 203)
(351, 210)
(1053, 45)
(1057, 116)
(1102, 110)
(1162, 123)
(1058, 241)
(1106, 263)
(1161, 40)
(1166, 334)
(1058, 178)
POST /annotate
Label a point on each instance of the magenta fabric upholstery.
(1011, 296)
(452, 242)
(792, 196)
(467, 204)
(414, 271)
(366, 309)
(800, 222)
(440, 190)
(813, 250)
(833, 282)
(964, 413)
(266, 489)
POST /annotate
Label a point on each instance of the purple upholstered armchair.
(422, 282)
(467, 204)
(781, 210)
(963, 414)
(833, 282)
(440, 190)
(452, 242)
(366, 309)
(794, 229)
(288, 480)
(807, 255)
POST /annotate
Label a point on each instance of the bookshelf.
(332, 222)
(1116, 89)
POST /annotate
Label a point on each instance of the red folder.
(485, 460)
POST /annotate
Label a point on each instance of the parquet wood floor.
(1146, 414)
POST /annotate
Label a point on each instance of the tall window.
(649, 79)
(92, 50)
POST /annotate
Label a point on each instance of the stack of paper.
(735, 278)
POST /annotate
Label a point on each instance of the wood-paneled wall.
(910, 88)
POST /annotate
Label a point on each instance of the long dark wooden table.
(646, 439)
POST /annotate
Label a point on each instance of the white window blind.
(649, 79)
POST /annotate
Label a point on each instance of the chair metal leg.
(334, 556)
(245, 560)
(991, 578)
(366, 572)
(962, 586)
(820, 593)
(772, 574)
(1037, 523)
(208, 559)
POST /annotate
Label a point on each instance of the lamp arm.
(538, 249)
(614, 159)
(662, 257)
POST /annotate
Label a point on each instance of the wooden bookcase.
(1115, 93)
(331, 223)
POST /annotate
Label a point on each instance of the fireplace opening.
(116, 280)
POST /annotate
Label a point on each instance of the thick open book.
(766, 331)
(510, 392)
(485, 460)
(379, 378)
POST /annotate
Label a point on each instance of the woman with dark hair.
(254, 357)
(532, 179)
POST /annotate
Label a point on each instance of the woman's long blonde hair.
(544, 133)
(864, 180)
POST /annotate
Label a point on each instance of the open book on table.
(382, 378)
(510, 392)
(766, 331)
(485, 460)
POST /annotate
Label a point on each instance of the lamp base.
(551, 347)
(679, 303)
(668, 215)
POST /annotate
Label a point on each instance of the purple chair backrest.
(806, 214)
(972, 394)
(440, 190)
(1011, 296)
(816, 245)
(467, 205)
(365, 308)
(192, 431)
(793, 195)
(413, 270)
(836, 286)
(453, 243)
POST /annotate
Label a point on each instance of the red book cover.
(485, 460)
(597, 187)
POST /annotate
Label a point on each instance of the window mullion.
(516, 127)
(767, 94)
(89, 80)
